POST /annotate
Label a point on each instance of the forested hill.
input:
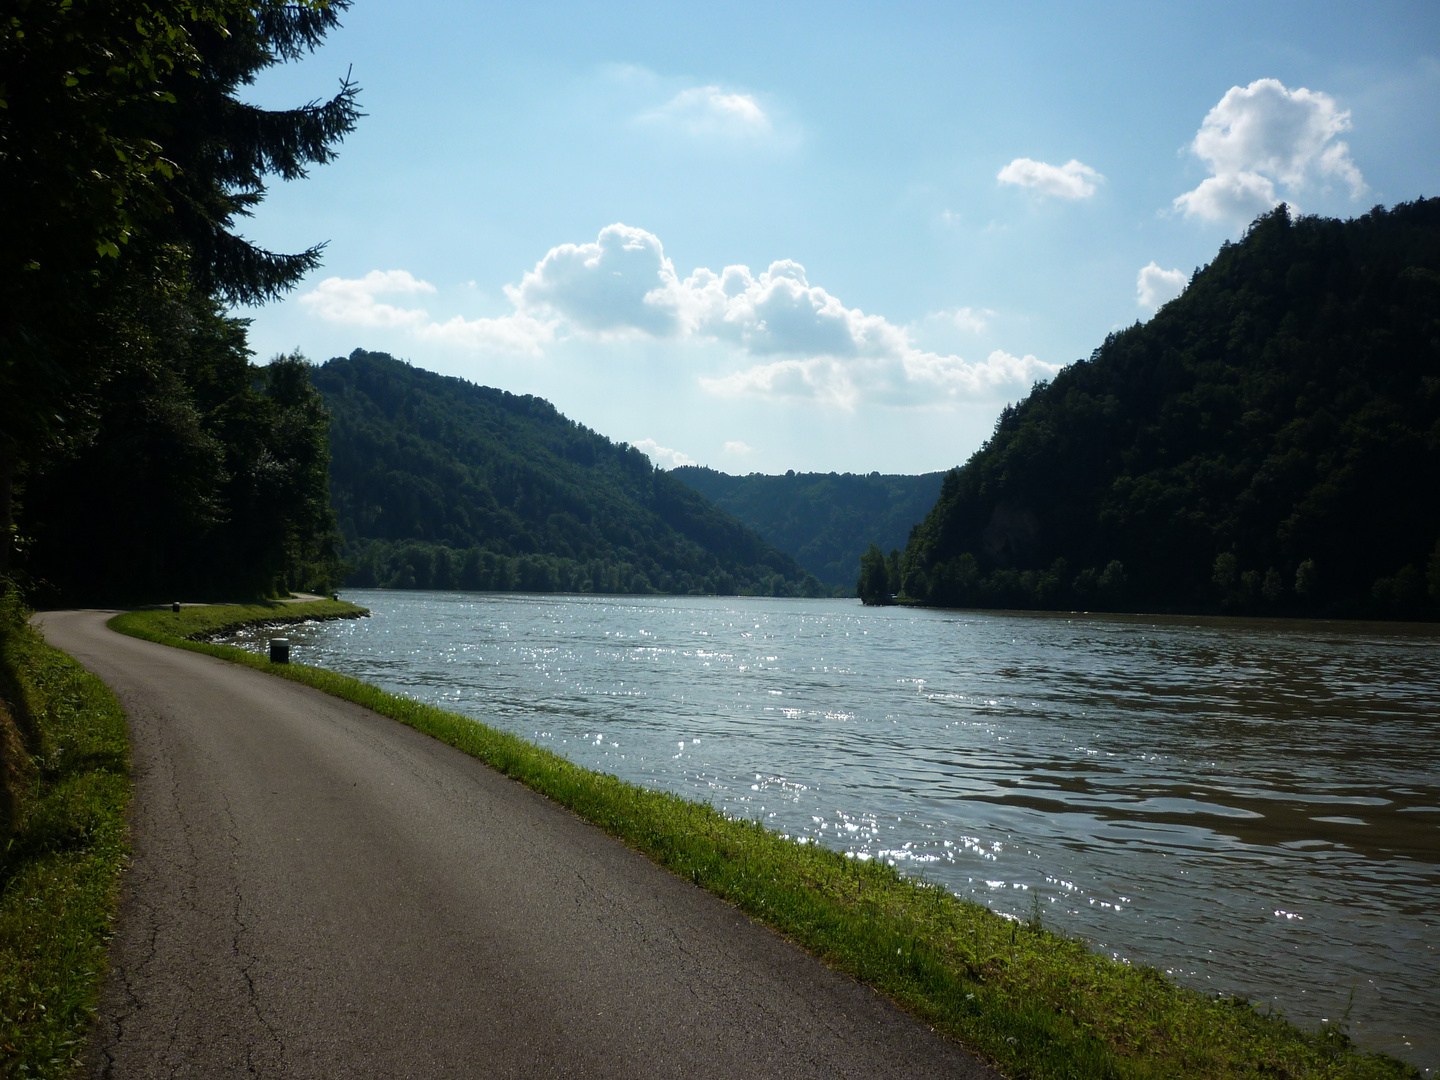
(1268, 442)
(824, 520)
(439, 483)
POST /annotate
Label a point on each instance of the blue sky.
(922, 208)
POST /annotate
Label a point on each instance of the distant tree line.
(959, 583)
(824, 520)
(439, 483)
(1269, 443)
(415, 565)
(140, 452)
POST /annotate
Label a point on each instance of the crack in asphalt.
(246, 960)
(362, 952)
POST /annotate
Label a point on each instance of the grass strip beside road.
(62, 845)
(205, 620)
(1035, 1003)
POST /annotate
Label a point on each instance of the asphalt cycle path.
(319, 891)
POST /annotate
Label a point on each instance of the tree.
(199, 474)
(126, 157)
(893, 574)
(1266, 442)
(873, 587)
(280, 497)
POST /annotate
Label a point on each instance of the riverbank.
(1034, 1002)
(64, 789)
(213, 620)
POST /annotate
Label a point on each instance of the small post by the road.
(175, 607)
(279, 650)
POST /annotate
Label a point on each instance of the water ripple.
(1251, 806)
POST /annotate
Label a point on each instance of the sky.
(835, 237)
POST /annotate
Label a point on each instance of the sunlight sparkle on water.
(1225, 800)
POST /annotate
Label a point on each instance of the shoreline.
(955, 964)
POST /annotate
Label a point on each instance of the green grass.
(193, 621)
(66, 787)
(1033, 1002)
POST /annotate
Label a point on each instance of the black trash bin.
(279, 650)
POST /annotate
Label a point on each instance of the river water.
(1251, 806)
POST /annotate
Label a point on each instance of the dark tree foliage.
(199, 474)
(824, 520)
(225, 148)
(121, 125)
(126, 159)
(873, 586)
(1268, 443)
(439, 483)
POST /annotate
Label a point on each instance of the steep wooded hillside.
(1268, 442)
(824, 520)
(439, 483)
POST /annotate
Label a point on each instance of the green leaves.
(1263, 445)
(125, 157)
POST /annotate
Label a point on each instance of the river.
(1250, 806)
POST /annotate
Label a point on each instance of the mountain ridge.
(439, 482)
(824, 521)
(1268, 443)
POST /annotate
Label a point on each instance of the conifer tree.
(126, 160)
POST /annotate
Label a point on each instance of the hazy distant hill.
(1268, 442)
(824, 520)
(439, 483)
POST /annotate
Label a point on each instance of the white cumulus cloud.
(707, 111)
(915, 378)
(663, 456)
(622, 282)
(737, 447)
(352, 300)
(1072, 180)
(812, 344)
(1155, 287)
(1229, 197)
(779, 311)
(1262, 135)
(803, 342)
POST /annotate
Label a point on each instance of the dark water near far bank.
(1253, 807)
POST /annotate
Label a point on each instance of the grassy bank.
(64, 787)
(211, 619)
(1035, 1003)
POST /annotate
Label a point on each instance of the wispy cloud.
(709, 111)
(514, 333)
(352, 301)
(663, 456)
(971, 320)
(1261, 135)
(1072, 180)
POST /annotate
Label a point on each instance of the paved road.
(320, 891)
